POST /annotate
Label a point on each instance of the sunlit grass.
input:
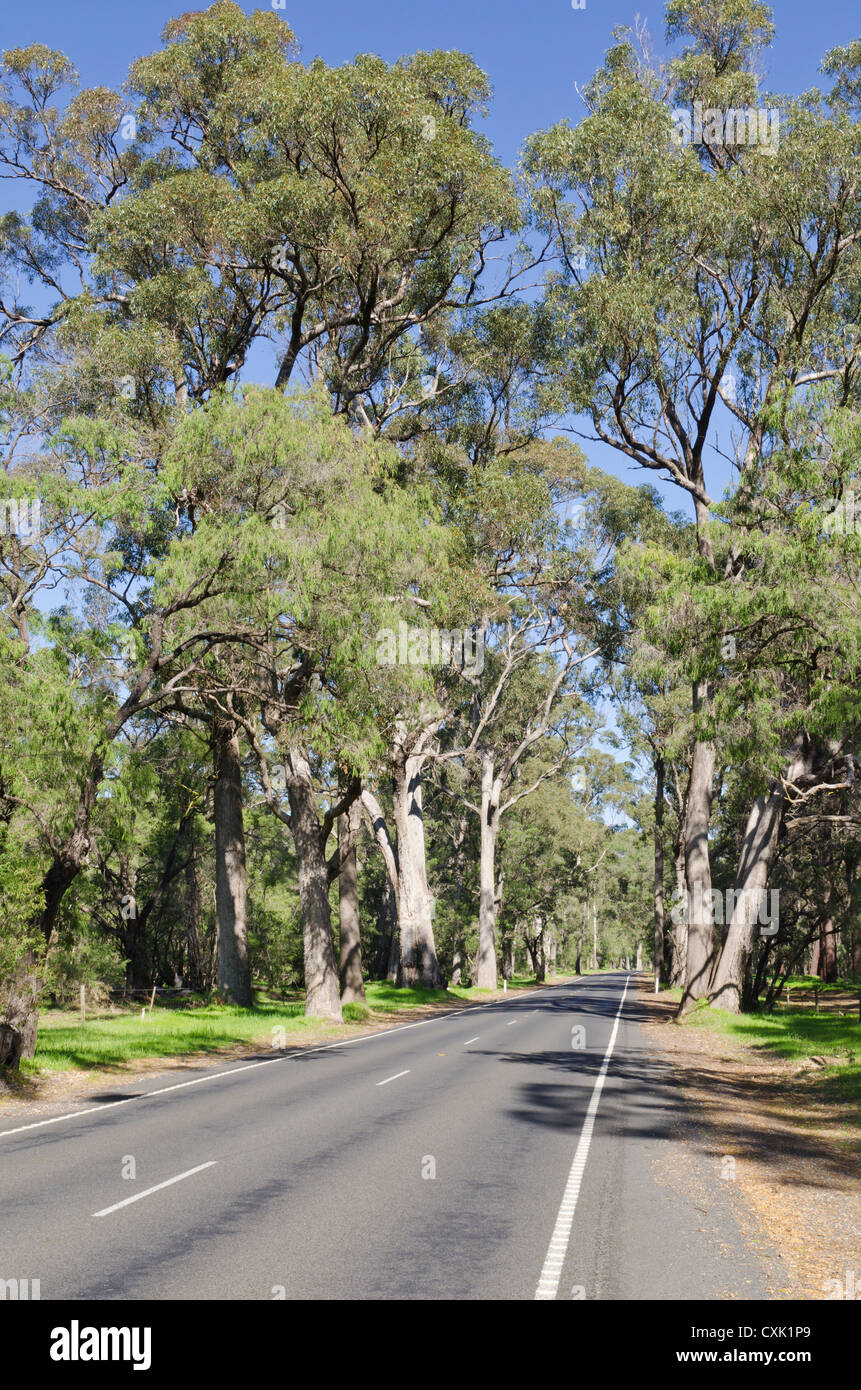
(112, 1039)
(797, 1034)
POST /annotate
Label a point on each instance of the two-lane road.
(533, 1147)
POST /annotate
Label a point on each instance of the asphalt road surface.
(537, 1147)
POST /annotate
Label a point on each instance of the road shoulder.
(784, 1149)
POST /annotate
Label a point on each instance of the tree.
(759, 236)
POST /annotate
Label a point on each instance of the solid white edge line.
(292, 1057)
(394, 1078)
(557, 1250)
(106, 1211)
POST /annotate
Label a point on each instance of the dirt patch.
(787, 1151)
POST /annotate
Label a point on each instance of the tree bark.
(679, 934)
(539, 956)
(231, 880)
(418, 960)
(352, 984)
(700, 933)
(758, 850)
(19, 1011)
(827, 943)
(322, 993)
(387, 928)
(194, 951)
(659, 871)
(394, 966)
(20, 994)
(413, 955)
(550, 936)
(486, 977)
(507, 957)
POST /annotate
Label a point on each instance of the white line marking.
(511, 1024)
(106, 1211)
(250, 1066)
(558, 1248)
(394, 1078)
(469, 1040)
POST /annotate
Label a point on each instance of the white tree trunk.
(486, 974)
(418, 963)
(757, 856)
(322, 993)
(700, 943)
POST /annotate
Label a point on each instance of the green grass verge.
(110, 1040)
(797, 1035)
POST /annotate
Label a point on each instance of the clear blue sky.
(534, 54)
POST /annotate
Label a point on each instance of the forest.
(332, 651)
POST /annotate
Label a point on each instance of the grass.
(111, 1039)
(811, 981)
(797, 1034)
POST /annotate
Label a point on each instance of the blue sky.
(535, 55)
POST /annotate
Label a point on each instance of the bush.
(92, 961)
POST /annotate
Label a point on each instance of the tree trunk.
(322, 995)
(486, 977)
(827, 943)
(507, 957)
(531, 960)
(418, 963)
(757, 856)
(19, 1011)
(352, 985)
(387, 928)
(659, 874)
(231, 881)
(457, 961)
(394, 967)
(21, 992)
(813, 959)
(679, 935)
(551, 951)
(584, 927)
(539, 955)
(698, 874)
(194, 951)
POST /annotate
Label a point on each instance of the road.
(534, 1147)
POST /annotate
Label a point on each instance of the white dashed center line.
(106, 1211)
(394, 1078)
(471, 1040)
